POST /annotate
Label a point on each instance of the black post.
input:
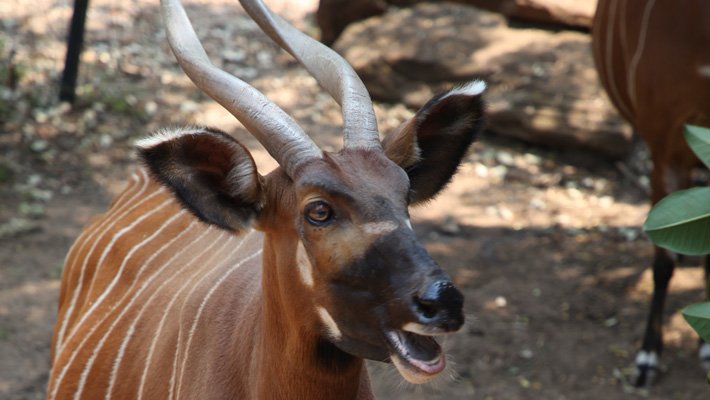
(74, 44)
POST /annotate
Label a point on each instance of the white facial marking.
(379, 228)
(416, 328)
(473, 88)
(420, 329)
(329, 322)
(409, 225)
(704, 71)
(304, 265)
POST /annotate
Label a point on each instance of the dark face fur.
(376, 290)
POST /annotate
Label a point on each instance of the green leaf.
(681, 222)
(698, 317)
(698, 139)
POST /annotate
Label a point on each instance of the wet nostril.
(440, 300)
(427, 308)
(449, 297)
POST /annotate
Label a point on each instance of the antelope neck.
(289, 348)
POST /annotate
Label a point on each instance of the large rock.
(334, 15)
(576, 14)
(543, 87)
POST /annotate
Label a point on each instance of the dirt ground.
(545, 244)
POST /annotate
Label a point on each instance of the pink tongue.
(430, 368)
(420, 347)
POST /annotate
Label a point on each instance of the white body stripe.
(106, 223)
(651, 60)
(106, 291)
(614, 90)
(631, 80)
(122, 349)
(164, 316)
(129, 289)
(199, 312)
(193, 285)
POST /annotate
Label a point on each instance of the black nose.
(442, 305)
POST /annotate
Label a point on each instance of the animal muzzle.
(439, 308)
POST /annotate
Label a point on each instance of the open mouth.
(418, 358)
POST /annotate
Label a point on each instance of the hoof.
(646, 370)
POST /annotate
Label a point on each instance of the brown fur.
(223, 312)
(650, 55)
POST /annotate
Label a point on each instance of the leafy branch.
(680, 222)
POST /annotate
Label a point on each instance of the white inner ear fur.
(243, 177)
(305, 268)
(329, 322)
(473, 88)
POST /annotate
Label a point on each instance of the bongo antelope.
(653, 60)
(207, 280)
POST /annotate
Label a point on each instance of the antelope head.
(341, 262)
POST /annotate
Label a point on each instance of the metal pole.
(74, 44)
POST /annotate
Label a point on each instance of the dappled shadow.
(561, 308)
(409, 55)
(569, 291)
(543, 86)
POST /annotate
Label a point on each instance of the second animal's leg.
(668, 175)
(647, 359)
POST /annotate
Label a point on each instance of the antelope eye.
(319, 213)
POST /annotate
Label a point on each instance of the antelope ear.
(431, 144)
(213, 175)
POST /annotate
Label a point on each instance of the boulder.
(334, 15)
(543, 87)
(574, 14)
